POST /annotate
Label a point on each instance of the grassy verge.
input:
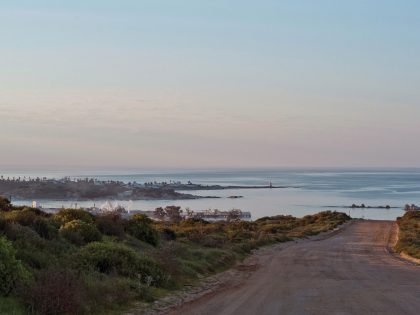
(73, 262)
(409, 234)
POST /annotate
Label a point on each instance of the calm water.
(314, 190)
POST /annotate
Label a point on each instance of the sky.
(201, 84)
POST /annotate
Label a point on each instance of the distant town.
(27, 188)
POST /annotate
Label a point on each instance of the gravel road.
(351, 272)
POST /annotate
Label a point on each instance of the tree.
(171, 213)
(174, 213)
(234, 215)
(159, 213)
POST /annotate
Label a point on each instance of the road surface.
(349, 273)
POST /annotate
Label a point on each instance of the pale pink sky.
(215, 84)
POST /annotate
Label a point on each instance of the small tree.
(234, 215)
(159, 213)
(189, 212)
(174, 213)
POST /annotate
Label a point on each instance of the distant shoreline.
(365, 207)
(67, 189)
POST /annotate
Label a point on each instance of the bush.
(31, 248)
(24, 217)
(112, 258)
(35, 219)
(110, 224)
(56, 291)
(45, 228)
(140, 226)
(11, 269)
(66, 215)
(5, 204)
(106, 292)
(23, 235)
(79, 232)
(169, 234)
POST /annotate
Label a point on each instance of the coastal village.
(24, 188)
(68, 188)
(90, 188)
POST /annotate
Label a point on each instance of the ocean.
(310, 190)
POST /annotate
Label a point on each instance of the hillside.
(73, 262)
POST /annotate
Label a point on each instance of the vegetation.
(409, 235)
(140, 226)
(79, 232)
(72, 262)
(11, 270)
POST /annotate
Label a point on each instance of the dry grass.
(409, 235)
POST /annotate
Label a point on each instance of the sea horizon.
(308, 191)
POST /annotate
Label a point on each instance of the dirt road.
(348, 273)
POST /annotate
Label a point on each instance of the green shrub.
(66, 215)
(45, 228)
(25, 217)
(11, 269)
(31, 248)
(140, 226)
(23, 236)
(79, 232)
(35, 219)
(113, 258)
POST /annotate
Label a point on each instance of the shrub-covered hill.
(72, 262)
(409, 235)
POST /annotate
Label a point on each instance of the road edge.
(392, 241)
(228, 279)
